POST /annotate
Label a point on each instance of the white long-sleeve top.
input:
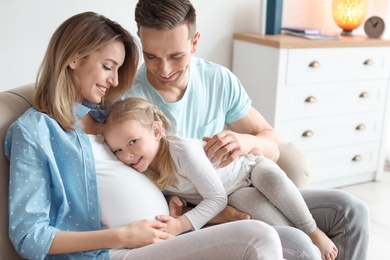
(202, 183)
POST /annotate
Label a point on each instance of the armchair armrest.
(295, 164)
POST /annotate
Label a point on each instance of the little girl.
(135, 131)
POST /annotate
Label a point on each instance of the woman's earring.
(73, 64)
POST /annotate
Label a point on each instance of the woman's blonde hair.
(146, 114)
(76, 38)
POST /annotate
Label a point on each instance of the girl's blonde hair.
(76, 38)
(146, 114)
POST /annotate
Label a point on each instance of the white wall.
(26, 27)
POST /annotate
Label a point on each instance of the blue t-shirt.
(52, 184)
(214, 96)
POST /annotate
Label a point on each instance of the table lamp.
(349, 14)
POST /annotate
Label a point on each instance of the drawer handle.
(308, 133)
(360, 127)
(364, 95)
(357, 158)
(310, 99)
(368, 62)
(314, 64)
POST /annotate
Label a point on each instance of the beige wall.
(318, 14)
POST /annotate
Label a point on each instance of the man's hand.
(226, 146)
(229, 214)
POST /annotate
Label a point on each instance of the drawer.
(335, 131)
(336, 64)
(331, 99)
(343, 162)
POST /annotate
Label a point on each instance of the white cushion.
(125, 195)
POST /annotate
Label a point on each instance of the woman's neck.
(89, 125)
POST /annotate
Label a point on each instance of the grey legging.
(278, 201)
(245, 239)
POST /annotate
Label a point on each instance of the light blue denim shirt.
(52, 184)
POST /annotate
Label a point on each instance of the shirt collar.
(81, 110)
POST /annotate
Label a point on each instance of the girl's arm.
(195, 168)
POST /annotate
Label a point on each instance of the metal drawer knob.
(308, 133)
(364, 95)
(368, 62)
(314, 64)
(360, 127)
(357, 158)
(310, 99)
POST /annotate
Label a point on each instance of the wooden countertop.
(287, 41)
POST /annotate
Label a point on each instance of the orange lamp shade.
(349, 14)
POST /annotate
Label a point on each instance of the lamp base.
(346, 33)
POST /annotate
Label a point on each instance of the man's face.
(167, 54)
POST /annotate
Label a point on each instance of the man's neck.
(170, 93)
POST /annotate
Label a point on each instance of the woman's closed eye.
(107, 67)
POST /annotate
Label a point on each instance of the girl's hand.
(176, 206)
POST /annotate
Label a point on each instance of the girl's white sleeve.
(193, 164)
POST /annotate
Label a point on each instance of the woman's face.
(98, 72)
(134, 144)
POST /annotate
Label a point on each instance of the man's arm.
(250, 134)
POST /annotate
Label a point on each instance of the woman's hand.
(175, 226)
(143, 232)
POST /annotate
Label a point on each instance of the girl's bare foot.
(327, 248)
(229, 214)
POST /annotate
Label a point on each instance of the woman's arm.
(137, 234)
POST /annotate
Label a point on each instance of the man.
(201, 97)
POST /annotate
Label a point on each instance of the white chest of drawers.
(331, 98)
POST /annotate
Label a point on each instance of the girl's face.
(134, 144)
(98, 72)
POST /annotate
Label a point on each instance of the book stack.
(274, 14)
(308, 33)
